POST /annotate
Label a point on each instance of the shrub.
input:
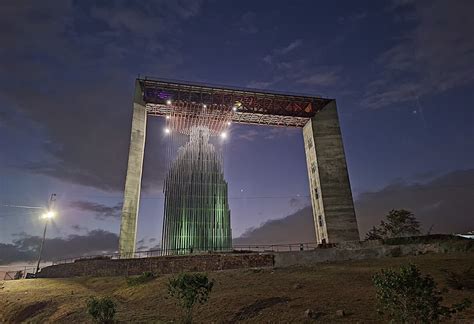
(190, 289)
(399, 223)
(141, 279)
(460, 280)
(409, 297)
(101, 309)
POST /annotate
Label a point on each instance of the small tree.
(399, 223)
(409, 297)
(101, 309)
(374, 233)
(190, 289)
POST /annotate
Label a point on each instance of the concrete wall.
(372, 250)
(133, 180)
(331, 196)
(159, 265)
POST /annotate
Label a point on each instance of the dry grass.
(253, 296)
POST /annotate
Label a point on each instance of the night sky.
(402, 73)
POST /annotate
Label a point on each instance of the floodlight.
(49, 215)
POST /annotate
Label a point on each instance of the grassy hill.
(252, 295)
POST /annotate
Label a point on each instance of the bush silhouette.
(190, 289)
(101, 309)
(408, 296)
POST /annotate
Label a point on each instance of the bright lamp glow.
(205, 106)
(168, 102)
(224, 135)
(234, 108)
(167, 130)
(168, 117)
(49, 215)
(228, 123)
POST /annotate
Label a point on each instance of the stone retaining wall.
(159, 265)
(365, 250)
(214, 262)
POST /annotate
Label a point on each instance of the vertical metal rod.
(50, 205)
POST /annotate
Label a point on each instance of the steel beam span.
(238, 105)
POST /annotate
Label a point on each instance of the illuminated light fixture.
(204, 106)
(168, 117)
(223, 134)
(168, 102)
(49, 215)
(167, 130)
(228, 123)
(234, 108)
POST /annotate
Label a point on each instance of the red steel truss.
(187, 104)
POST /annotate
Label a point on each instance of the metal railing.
(16, 272)
(240, 248)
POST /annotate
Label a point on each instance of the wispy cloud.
(265, 133)
(352, 18)
(278, 52)
(25, 247)
(443, 201)
(100, 211)
(248, 23)
(290, 47)
(79, 228)
(321, 79)
(432, 57)
(77, 145)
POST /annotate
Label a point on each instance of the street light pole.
(49, 214)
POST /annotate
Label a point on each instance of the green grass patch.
(145, 277)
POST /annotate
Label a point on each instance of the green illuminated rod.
(197, 215)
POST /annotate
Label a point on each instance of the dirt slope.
(253, 296)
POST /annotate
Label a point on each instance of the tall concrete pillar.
(131, 196)
(331, 196)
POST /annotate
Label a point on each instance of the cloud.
(290, 47)
(353, 17)
(251, 134)
(101, 212)
(278, 52)
(302, 71)
(77, 91)
(256, 85)
(299, 202)
(321, 79)
(295, 228)
(443, 201)
(247, 23)
(25, 248)
(434, 56)
(79, 228)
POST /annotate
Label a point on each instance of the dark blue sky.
(402, 73)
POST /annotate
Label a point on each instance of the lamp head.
(49, 214)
